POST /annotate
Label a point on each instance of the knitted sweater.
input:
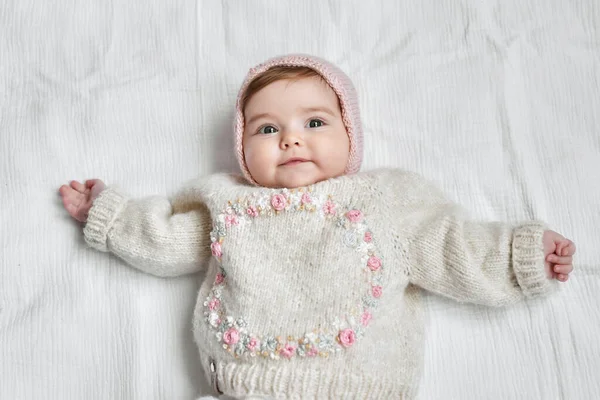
(314, 292)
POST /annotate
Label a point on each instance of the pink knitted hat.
(341, 85)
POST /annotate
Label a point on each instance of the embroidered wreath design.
(232, 331)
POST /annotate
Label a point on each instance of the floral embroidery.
(252, 211)
(253, 343)
(354, 215)
(288, 350)
(329, 207)
(305, 198)
(215, 248)
(377, 291)
(313, 351)
(233, 334)
(346, 337)
(278, 201)
(365, 318)
(214, 304)
(230, 220)
(374, 263)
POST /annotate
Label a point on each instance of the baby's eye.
(315, 123)
(267, 130)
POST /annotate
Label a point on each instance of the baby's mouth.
(294, 161)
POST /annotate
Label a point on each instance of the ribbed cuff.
(528, 260)
(243, 380)
(103, 213)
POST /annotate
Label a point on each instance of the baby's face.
(294, 134)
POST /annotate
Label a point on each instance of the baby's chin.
(295, 180)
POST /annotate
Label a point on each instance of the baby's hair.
(275, 74)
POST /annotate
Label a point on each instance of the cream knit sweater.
(314, 292)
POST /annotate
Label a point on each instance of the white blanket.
(497, 101)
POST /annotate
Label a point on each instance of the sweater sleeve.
(488, 263)
(159, 236)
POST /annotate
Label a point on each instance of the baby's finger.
(562, 278)
(568, 248)
(559, 248)
(91, 182)
(78, 186)
(563, 269)
(64, 190)
(553, 258)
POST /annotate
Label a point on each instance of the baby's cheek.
(259, 159)
(339, 153)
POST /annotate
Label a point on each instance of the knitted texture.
(337, 80)
(307, 292)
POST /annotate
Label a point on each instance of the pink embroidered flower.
(306, 198)
(329, 207)
(215, 247)
(219, 279)
(366, 318)
(354, 215)
(230, 220)
(288, 350)
(214, 304)
(278, 202)
(374, 263)
(377, 291)
(231, 336)
(368, 237)
(252, 211)
(346, 337)
(252, 344)
(312, 352)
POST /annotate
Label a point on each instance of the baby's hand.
(558, 253)
(78, 198)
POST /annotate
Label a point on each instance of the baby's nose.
(291, 139)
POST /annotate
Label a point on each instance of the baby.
(314, 270)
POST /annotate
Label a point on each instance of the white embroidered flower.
(295, 199)
(241, 323)
(317, 200)
(350, 239)
(218, 231)
(240, 349)
(238, 209)
(365, 248)
(326, 343)
(263, 201)
(370, 301)
(311, 336)
(361, 228)
(377, 279)
(268, 344)
(351, 320)
(213, 319)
